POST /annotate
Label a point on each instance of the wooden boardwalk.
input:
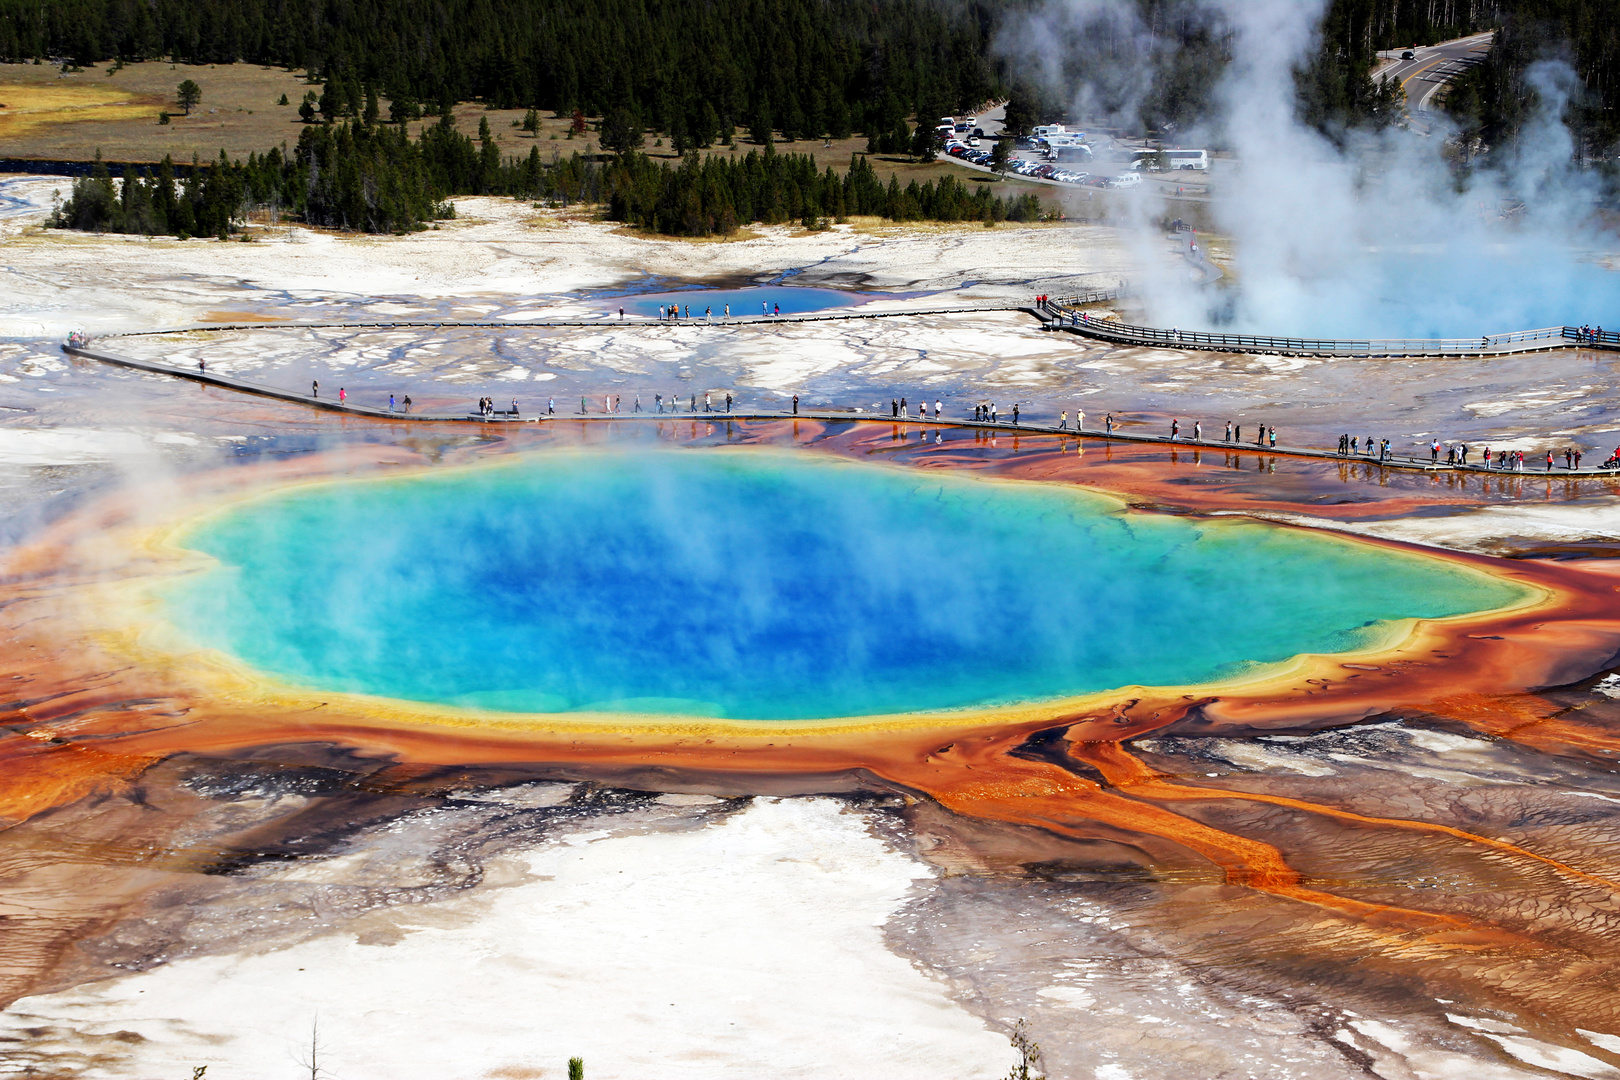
(636, 322)
(328, 404)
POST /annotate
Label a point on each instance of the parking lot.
(1102, 161)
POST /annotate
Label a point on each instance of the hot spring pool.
(793, 299)
(772, 586)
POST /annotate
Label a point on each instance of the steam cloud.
(1374, 239)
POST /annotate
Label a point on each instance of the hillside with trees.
(805, 67)
(1495, 99)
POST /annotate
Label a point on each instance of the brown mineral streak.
(92, 706)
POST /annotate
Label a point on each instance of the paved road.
(1432, 67)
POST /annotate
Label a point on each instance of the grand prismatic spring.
(781, 608)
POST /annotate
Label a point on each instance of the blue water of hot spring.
(770, 585)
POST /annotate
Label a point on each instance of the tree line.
(375, 178)
(711, 195)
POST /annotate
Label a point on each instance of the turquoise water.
(793, 300)
(770, 585)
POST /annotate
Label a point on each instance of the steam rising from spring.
(1376, 238)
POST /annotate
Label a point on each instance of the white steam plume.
(1374, 239)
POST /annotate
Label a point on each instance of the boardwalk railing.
(1551, 337)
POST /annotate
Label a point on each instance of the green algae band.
(772, 586)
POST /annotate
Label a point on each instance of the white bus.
(1178, 159)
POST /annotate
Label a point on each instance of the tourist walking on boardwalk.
(905, 413)
(1108, 423)
(894, 408)
(637, 406)
(778, 308)
(993, 415)
(728, 313)
(1577, 459)
(795, 404)
(1434, 450)
(764, 311)
(1549, 461)
(1015, 414)
(1063, 420)
(390, 402)
(708, 314)
(708, 401)
(1271, 433)
(938, 405)
(315, 388)
(728, 403)
(1079, 419)
(1229, 431)
(551, 406)
(621, 314)
(343, 396)
(1175, 430)
(1198, 431)
(658, 402)
(406, 403)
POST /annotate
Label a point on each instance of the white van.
(1046, 130)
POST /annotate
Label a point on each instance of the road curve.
(1430, 69)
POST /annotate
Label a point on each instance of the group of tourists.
(1456, 454)
(1263, 436)
(1349, 446)
(987, 414)
(612, 404)
(898, 407)
(672, 312)
(486, 408)
(1591, 335)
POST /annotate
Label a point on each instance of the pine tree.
(188, 94)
